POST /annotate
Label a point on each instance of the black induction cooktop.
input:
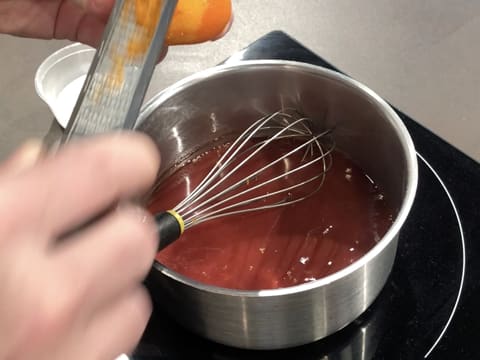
(430, 306)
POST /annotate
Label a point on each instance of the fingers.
(85, 276)
(85, 26)
(76, 25)
(96, 7)
(119, 328)
(89, 31)
(83, 179)
(122, 166)
(88, 287)
(112, 256)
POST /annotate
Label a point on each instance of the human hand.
(76, 20)
(85, 20)
(81, 297)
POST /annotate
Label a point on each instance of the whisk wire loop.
(221, 163)
(302, 156)
(228, 158)
(286, 124)
(254, 174)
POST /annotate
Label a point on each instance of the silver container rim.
(390, 116)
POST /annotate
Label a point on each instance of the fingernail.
(145, 217)
(101, 7)
(81, 3)
(137, 211)
(29, 153)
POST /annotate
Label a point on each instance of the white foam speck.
(304, 259)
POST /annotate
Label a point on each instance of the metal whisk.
(223, 192)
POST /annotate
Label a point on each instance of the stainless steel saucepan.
(218, 101)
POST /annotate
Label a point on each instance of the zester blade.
(122, 67)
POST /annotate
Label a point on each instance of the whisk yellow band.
(179, 219)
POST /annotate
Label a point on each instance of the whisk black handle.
(170, 228)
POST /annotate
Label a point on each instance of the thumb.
(23, 158)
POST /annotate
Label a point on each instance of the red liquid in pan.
(283, 246)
